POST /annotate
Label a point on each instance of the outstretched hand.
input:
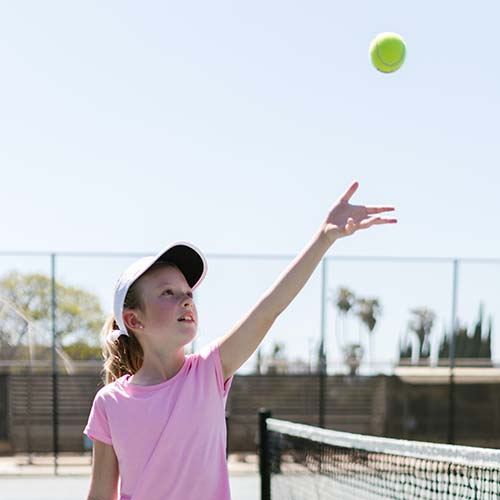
(345, 219)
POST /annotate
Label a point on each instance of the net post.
(264, 466)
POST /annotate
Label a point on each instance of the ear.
(132, 320)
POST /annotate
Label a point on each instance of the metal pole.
(322, 353)
(55, 420)
(264, 465)
(452, 398)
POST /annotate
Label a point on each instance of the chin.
(188, 338)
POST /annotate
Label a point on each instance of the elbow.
(270, 310)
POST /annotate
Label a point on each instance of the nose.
(188, 300)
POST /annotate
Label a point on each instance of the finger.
(379, 210)
(376, 221)
(350, 191)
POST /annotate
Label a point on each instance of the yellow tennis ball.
(388, 51)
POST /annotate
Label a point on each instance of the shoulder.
(209, 357)
(209, 350)
(110, 390)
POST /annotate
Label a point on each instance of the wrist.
(327, 235)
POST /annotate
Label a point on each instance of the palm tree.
(367, 311)
(421, 324)
(344, 301)
(277, 359)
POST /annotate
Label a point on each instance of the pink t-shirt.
(169, 438)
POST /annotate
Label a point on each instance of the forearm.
(292, 280)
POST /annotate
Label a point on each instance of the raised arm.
(342, 220)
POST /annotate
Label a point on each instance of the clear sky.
(125, 126)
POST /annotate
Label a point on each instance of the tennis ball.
(388, 52)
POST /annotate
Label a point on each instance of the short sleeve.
(97, 425)
(211, 352)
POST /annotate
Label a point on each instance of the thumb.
(349, 227)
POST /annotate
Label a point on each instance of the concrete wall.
(420, 412)
(383, 406)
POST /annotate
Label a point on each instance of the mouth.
(186, 318)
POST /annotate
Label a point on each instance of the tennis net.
(305, 462)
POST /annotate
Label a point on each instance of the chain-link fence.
(368, 311)
(356, 316)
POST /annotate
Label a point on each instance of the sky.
(127, 126)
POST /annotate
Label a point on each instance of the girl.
(158, 425)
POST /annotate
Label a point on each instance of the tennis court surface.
(19, 481)
(243, 487)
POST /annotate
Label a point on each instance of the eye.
(168, 290)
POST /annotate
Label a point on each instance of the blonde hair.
(125, 355)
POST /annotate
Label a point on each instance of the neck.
(158, 367)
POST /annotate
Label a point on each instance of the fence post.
(55, 404)
(454, 331)
(322, 350)
(264, 466)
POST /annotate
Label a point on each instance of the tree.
(79, 316)
(353, 354)
(277, 358)
(258, 361)
(485, 349)
(473, 345)
(82, 351)
(367, 311)
(421, 324)
(344, 301)
(404, 347)
(278, 351)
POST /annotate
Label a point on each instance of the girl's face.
(166, 297)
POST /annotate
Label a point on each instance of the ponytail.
(121, 357)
